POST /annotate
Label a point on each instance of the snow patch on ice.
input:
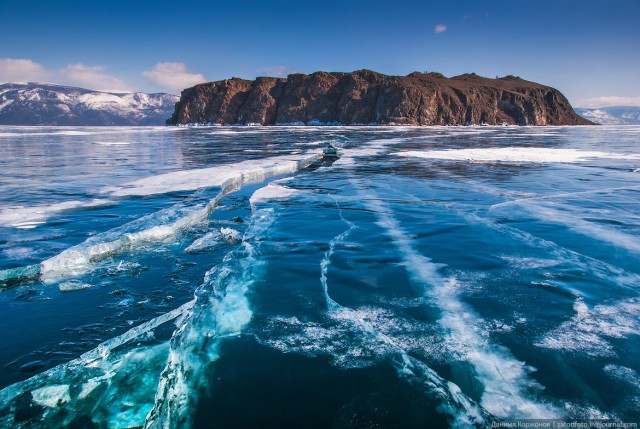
(18, 252)
(335, 337)
(530, 263)
(369, 148)
(30, 217)
(272, 191)
(516, 154)
(622, 373)
(585, 412)
(589, 329)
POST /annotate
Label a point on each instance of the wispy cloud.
(607, 102)
(92, 77)
(173, 77)
(275, 71)
(22, 70)
(440, 28)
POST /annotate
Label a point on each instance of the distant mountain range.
(48, 104)
(618, 115)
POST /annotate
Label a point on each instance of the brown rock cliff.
(365, 97)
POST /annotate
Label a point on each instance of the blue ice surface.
(429, 277)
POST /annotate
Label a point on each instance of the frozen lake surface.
(232, 277)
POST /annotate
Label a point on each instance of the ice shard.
(221, 310)
(159, 227)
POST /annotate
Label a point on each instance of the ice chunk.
(51, 396)
(89, 387)
(207, 241)
(221, 309)
(272, 191)
(166, 225)
(230, 235)
(113, 385)
(29, 271)
(72, 285)
(185, 180)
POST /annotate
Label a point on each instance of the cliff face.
(364, 97)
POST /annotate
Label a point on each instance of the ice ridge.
(79, 259)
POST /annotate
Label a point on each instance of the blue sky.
(588, 49)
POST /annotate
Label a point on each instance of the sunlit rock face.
(367, 97)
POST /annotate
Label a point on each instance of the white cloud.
(440, 28)
(275, 71)
(607, 102)
(22, 70)
(173, 77)
(92, 77)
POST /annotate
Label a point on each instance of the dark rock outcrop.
(365, 97)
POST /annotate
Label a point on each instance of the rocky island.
(367, 97)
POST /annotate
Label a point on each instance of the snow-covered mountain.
(618, 115)
(48, 104)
